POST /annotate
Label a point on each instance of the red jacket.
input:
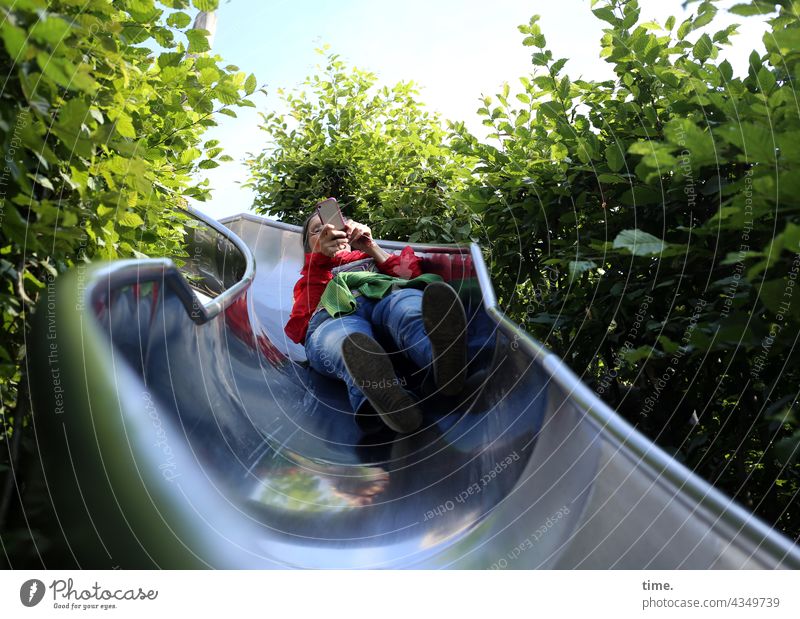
(316, 274)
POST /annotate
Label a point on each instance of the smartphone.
(330, 213)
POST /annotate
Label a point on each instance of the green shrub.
(373, 148)
(101, 136)
(664, 211)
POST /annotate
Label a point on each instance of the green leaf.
(558, 151)
(755, 7)
(72, 115)
(206, 5)
(685, 28)
(772, 294)
(208, 75)
(611, 179)
(726, 71)
(631, 15)
(133, 34)
(639, 243)
(637, 354)
(786, 41)
(250, 84)
(552, 109)
(227, 93)
(189, 155)
(198, 41)
(754, 140)
(51, 31)
(704, 48)
(540, 59)
(57, 69)
(130, 219)
(170, 59)
(668, 345)
(124, 126)
(564, 88)
(607, 15)
(576, 267)
(179, 19)
(536, 40)
(15, 39)
(685, 134)
(651, 25)
(103, 210)
(707, 11)
(614, 158)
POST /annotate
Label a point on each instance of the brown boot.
(373, 373)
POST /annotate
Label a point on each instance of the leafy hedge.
(376, 149)
(646, 228)
(665, 208)
(102, 111)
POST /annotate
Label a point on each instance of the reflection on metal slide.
(181, 429)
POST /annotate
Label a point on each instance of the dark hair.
(306, 224)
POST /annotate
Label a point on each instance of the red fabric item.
(316, 274)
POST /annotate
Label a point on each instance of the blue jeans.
(398, 315)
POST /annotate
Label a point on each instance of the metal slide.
(181, 429)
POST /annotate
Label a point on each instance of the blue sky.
(456, 50)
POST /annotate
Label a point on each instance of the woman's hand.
(331, 241)
(360, 236)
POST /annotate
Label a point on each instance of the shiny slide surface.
(181, 429)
